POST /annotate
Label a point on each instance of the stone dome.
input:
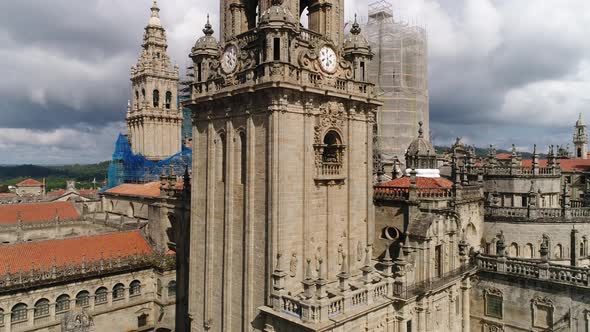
(421, 146)
(278, 14)
(207, 42)
(355, 40)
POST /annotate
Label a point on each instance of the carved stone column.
(465, 287)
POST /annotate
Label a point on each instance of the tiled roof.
(150, 189)
(29, 183)
(44, 254)
(82, 192)
(8, 195)
(565, 164)
(37, 212)
(503, 156)
(404, 182)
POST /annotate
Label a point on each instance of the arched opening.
(332, 146)
(100, 296)
(62, 303)
(143, 94)
(528, 251)
(156, 98)
(471, 234)
(252, 14)
(130, 210)
(168, 99)
(135, 288)
(83, 299)
(558, 251)
(513, 250)
(304, 13)
(172, 288)
(579, 152)
(582, 252)
(118, 292)
(19, 313)
(390, 233)
(159, 287)
(41, 308)
(142, 320)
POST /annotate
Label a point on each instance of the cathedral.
(289, 232)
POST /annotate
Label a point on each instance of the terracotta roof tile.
(8, 195)
(41, 255)
(404, 182)
(150, 189)
(565, 164)
(29, 183)
(503, 156)
(37, 212)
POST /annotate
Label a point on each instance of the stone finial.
(356, 28)
(208, 30)
(155, 9)
(308, 282)
(420, 130)
(343, 276)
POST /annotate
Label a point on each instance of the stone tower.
(154, 120)
(581, 139)
(282, 174)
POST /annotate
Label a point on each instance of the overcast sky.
(501, 71)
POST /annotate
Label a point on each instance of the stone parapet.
(534, 269)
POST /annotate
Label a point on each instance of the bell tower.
(581, 139)
(282, 174)
(154, 120)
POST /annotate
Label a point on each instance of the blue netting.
(127, 167)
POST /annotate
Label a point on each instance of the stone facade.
(154, 119)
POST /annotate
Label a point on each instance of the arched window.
(41, 308)
(331, 148)
(136, 95)
(582, 249)
(142, 320)
(130, 210)
(118, 292)
(528, 251)
(252, 14)
(62, 303)
(168, 99)
(100, 296)
(304, 13)
(558, 251)
(83, 299)
(19, 313)
(513, 250)
(156, 97)
(172, 288)
(135, 288)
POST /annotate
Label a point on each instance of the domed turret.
(277, 14)
(155, 18)
(207, 42)
(421, 156)
(355, 42)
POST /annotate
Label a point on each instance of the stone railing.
(534, 269)
(543, 214)
(388, 193)
(515, 171)
(380, 288)
(35, 275)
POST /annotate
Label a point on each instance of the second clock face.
(328, 59)
(229, 59)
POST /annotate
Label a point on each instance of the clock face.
(229, 59)
(328, 59)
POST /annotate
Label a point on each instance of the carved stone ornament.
(493, 291)
(331, 116)
(293, 265)
(77, 320)
(491, 327)
(543, 301)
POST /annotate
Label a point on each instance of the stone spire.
(580, 139)
(155, 17)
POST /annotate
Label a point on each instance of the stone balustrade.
(575, 214)
(388, 193)
(515, 171)
(534, 269)
(77, 270)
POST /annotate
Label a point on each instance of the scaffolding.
(127, 167)
(399, 70)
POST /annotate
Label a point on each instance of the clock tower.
(282, 168)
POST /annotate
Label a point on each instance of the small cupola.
(421, 156)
